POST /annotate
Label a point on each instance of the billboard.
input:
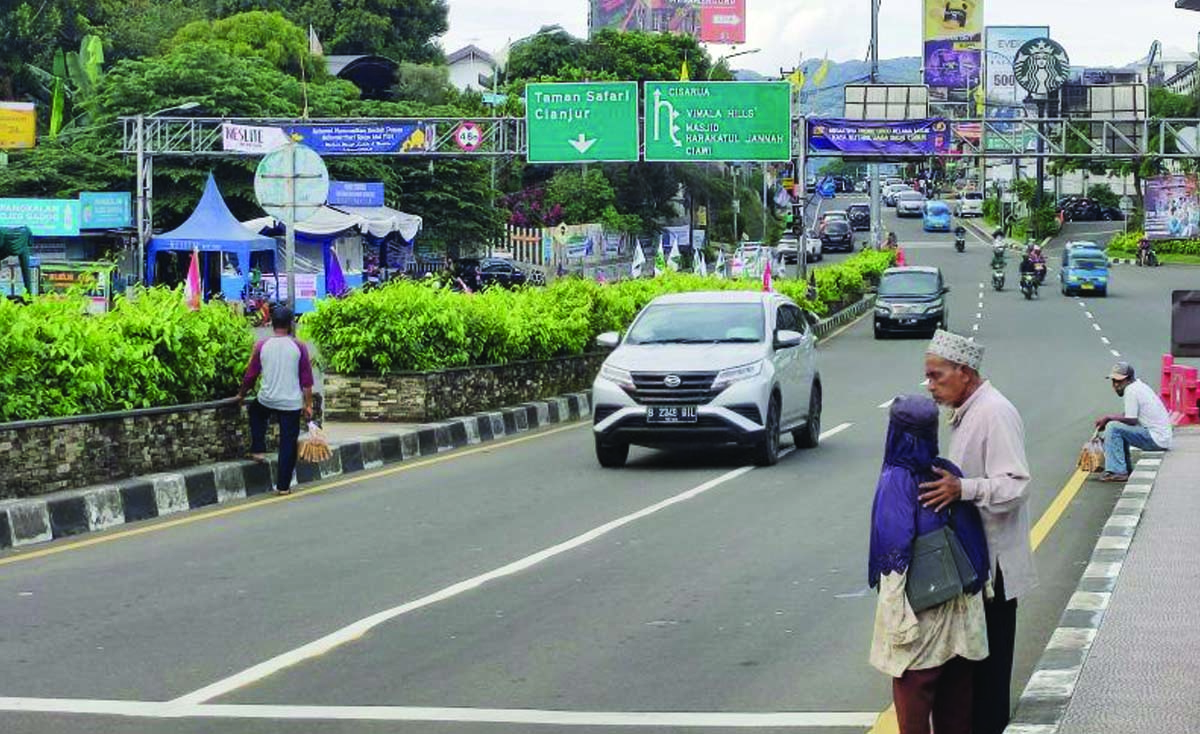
(953, 47)
(877, 139)
(1005, 98)
(18, 125)
(711, 21)
(1172, 208)
(723, 21)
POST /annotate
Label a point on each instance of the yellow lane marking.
(886, 723)
(270, 500)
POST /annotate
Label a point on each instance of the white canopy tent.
(377, 221)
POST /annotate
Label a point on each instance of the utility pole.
(876, 221)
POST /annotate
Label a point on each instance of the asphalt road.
(746, 596)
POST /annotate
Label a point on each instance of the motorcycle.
(1039, 270)
(1147, 257)
(998, 279)
(1029, 285)
(960, 239)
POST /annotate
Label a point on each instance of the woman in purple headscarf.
(927, 654)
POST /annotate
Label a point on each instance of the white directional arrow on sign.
(582, 144)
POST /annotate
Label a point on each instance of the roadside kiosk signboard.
(582, 123)
(718, 121)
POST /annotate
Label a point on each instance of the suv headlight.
(725, 378)
(617, 375)
(935, 307)
(883, 310)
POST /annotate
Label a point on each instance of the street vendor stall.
(229, 251)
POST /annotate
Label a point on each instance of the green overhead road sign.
(582, 123)
(718, 121)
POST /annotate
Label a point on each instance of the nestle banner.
(879, 139)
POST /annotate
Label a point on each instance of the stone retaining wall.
(418, 397)
(43, 456)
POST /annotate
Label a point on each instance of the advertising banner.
(277, 285)
(365, 138)
(251, 138)
(46, 217)
(18, 125)
(1002, 43)
(356, 193)
(953, 46)
(106, 209)
(1172, 208)
(877, 139)
(723, 21)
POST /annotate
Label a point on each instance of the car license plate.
(908, 322)
(1087, 286)
(671, 414)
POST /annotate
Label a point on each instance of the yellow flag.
(821, 72)
(683, 72)
(980, 99)
(797, 79)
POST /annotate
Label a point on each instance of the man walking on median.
(987, 441)
(1145, 425)
(286, 392)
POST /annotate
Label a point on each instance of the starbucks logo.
(1041, 66)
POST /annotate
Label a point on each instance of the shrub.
(410, 326)
(151, 351)
(1127, 244)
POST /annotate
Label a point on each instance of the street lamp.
(144, 177)
(727, 57)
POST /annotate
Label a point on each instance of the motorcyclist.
(999, 262)
(1028, 265)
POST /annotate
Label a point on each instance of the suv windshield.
(938, 209)
(912, 283)
(698, 323)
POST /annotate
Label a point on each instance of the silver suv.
(700, 369)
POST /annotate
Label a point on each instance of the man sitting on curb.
(1145, 424)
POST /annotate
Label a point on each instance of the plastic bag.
(314, 447)
(1091, 457)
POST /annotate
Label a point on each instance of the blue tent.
(210, 228)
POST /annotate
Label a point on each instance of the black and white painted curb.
(826, 327)
(1048, 693)
(38, 520)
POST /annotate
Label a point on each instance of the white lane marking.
(975, 327)
(1115, 353)
(355, 630)
(1097, 327)
(836, 430)
(1079, 300)
(1088, 314)
(979, 315)
(888, 404)
(665, 719)
(981, 304)
(981, 286)
(1105, 340)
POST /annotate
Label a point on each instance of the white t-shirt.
(1142, 403)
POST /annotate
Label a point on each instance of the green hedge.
(1127, 245)
(149, 351)
(410, 326)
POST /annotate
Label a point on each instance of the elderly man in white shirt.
(987, 441)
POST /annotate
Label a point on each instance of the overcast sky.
(1094, 32)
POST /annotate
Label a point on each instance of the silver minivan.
(706, 369)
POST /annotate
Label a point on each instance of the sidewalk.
(1126, 657)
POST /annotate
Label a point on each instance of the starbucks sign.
(1041, 66)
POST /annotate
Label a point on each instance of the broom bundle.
(314, 448)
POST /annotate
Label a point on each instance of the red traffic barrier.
(1164, 385)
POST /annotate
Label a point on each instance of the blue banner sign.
(106, 210)
(879, 139)
(356, 193)
(366, 138)
(46, 217)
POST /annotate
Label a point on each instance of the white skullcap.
(957, 349)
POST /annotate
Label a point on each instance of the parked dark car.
(837, 235)
(911, 300)
(1086, 210)
(483, 272)
(860, 217)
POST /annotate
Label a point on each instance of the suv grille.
(695, 388)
